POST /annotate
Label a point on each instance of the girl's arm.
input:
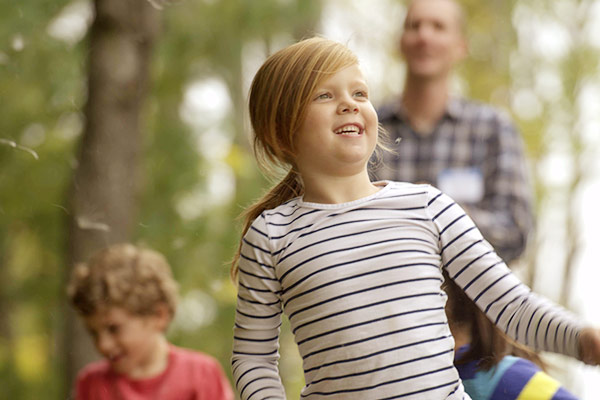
(472, 263)
(257, 320)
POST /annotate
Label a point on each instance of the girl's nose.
(348, 106)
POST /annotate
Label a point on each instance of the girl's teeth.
(351, 130)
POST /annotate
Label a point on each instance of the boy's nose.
(104, 343)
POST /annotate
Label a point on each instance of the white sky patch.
(370, 29)
(541, 34)
(33, 135)
(552, 39)
(526, 104)
(206, 102)
(589, 101)
(69, 125)
(217, 189)
(18, 42)
(591, 130)
(548, 84)
(205, 107)
(72, 23)
(557, 169)
(592, 27)
(195, 310)
(253, 55)
(214, 143)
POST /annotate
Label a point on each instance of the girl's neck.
(337, 190)
(424, 102)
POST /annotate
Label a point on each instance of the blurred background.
(124, 120)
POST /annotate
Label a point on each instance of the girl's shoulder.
(406, 189)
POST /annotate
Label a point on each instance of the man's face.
(432, 41)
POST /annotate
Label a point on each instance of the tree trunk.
(103, 194)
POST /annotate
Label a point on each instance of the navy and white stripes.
(360, 284)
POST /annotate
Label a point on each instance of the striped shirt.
(475, 155)
(360, 284)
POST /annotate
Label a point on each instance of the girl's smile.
(350, 130)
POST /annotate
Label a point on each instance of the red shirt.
(189, 375)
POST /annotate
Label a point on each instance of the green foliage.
(43, 84)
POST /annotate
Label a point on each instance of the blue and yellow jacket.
(513, 378)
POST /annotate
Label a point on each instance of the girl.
(357, 266)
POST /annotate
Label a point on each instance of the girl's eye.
(361, 93)
(323, 96)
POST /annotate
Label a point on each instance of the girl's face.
(129, 342)
(339, 132)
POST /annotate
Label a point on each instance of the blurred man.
(467, 149)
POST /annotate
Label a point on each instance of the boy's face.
(129, 342)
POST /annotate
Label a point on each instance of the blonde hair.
(279, 97)
(126, 276)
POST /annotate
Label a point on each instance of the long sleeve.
(257, 320)
(472, 263)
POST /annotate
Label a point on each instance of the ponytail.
(287, 189)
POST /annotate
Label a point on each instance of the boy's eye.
(361, 93)
(113, 329)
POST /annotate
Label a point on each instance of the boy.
(127, 297)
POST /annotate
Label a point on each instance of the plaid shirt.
(475, 155)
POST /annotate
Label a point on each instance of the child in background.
(491, 365)
(127, 297)
(357, 265)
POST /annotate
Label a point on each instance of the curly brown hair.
(123, 275)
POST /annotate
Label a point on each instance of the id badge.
(465, 185)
